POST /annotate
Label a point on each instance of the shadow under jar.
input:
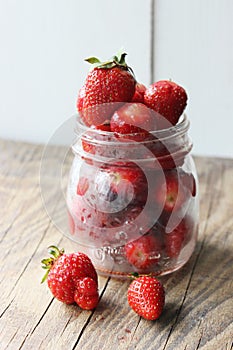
(132, 200)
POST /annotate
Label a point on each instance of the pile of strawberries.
(121, 193)
(112, 100)
(112, 189)
(72, 278)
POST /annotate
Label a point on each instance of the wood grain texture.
(199, 298)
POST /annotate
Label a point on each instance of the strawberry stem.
(49, 262)
(117, 60)
(135, 275)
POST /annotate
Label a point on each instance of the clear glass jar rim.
(176, 130)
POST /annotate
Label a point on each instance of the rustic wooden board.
(199, 298)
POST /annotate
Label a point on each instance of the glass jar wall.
(133, 199)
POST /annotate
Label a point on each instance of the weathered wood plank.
(199, 301)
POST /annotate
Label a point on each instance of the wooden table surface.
(199, 297)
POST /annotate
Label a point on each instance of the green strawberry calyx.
(135, 275)
(47, 263)
(117, 60)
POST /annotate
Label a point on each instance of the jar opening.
(181, 127)
(167, 147)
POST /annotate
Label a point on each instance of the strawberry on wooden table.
(146, 296)
(71, 278)
(108, 85)
(86, 295)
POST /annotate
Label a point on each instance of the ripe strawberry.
(83, 185)
(146, 296)
(175, 240)
(144, 252)
(92, 141)
(171, 191)
(103, 127)
(66, 277)
(139, 93)
(108, 85)
(133, 118)
(166, 98)
(86, 293)
(126, 182)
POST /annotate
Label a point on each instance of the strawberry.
(126, 182)
(175, 240)
(107, 86)
(93, 139)
(171, 190)
(86, 293)
(83, 185)
(67, 278)
(139, 93)
(146, 296)
(103, 127)
(133, 118)
(166, 98)
(144, 252)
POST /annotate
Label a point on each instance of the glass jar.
(133, 199)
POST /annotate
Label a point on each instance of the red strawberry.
(133, 118)
(190, 183)
(139, 93)
(92, 141)
(86, 293)
(170, 190)
(175, 240)
(106, 87)
(144, 251)
(166, 98)
(125, 182)
(83, 185)
(81, 96)
(66, 275)
(103, 127)
(146, 296)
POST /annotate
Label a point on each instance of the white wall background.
(43, 45)
(194, 46)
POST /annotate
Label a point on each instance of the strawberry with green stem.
(107, 86)
(71, 278)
